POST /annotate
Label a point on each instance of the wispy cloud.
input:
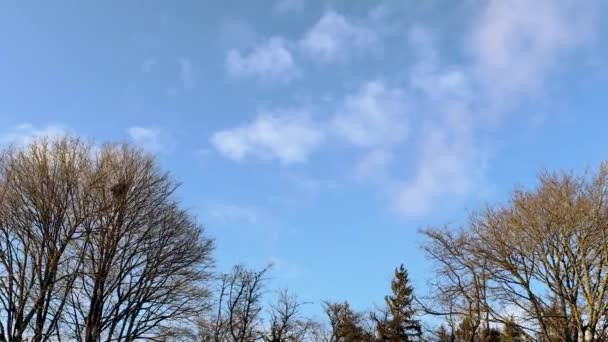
(514, 46)
(149, 138)
(186, 73)
(289, 136)
(375, 115)
(271, 60)
(283, 6)
(443, 109)
(373, 165)
(230, 213)
(516, 43)
(334, 37)
(25, 133)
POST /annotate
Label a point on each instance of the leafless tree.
(145, 260)
(46, 197)
(459, 290)
(237, 309)
(92, 245)
(286, 323)
(543, 255)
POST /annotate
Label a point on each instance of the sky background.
(319, 136)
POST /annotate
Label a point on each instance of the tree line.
(94, 246)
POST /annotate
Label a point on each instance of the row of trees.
(238, 315)
(537, 264)
(94, 247)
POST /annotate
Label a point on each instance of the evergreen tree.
(467, 330)
(491, 335)
(398, 323)
(443, 335)
(512, 332)
(346, 324)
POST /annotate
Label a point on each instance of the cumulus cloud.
(376, 115)
(271, 60)
(334, 37)
(25, 133)
(288, 136)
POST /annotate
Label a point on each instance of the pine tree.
(346, 324)
(443, 335)
(398, 323)
(491, 335)
(512, 332)
(467, 330)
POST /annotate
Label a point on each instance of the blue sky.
(319, 135)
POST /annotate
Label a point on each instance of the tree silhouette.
(398, 323)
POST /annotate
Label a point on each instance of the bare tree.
(460, 289)
(237, 309)
(92, 245)
(46, 197)
(543, 256)
(286, 323)
(145, 261)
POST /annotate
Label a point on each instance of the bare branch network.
(94, 247)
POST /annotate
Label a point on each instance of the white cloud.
(288, 136)
(376, 115)
(515, 43)
(147, 138)
(510, 51)
(373, 165)
(271, 60)
(447, 160)
(283, 6)
(334, 37)
(514, 46)
(186, 73)
(233, 213)
(446, 168)
(25, 133)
